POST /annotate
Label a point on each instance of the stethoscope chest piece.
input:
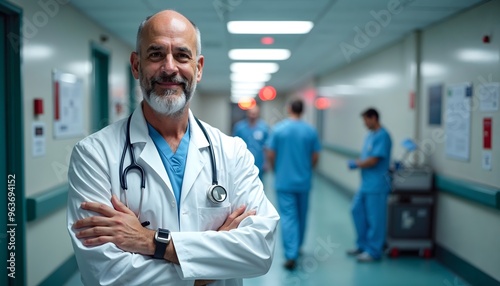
(217, 194)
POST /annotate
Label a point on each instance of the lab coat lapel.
(149, 154)
(195, 161)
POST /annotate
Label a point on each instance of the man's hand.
(119, 226)
(234, 219)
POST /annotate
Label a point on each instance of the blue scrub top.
(255, 137)
(376, 179)
(175, 164)
(294, 142)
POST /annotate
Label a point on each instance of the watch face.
(162, 235)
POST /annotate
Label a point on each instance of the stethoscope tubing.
(135, 166)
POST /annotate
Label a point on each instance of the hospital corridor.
(250, 142)
(324, 262)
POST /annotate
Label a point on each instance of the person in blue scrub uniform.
(255, 132)
(293, 151)
(369, 206)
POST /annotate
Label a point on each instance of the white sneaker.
(365, 257)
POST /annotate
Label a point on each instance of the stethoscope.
(215, 194)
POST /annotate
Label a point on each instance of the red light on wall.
(322, 103)
(267, 40)
(246, 103)
(267, 93)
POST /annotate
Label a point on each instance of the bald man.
(198, 221)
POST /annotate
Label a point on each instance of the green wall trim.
(484, 195)
(62, 274)
(467, 271)
(341, 150)
(47, 202)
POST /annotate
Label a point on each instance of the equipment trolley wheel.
(425, 253)
(394, 253)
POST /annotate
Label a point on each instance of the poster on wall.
(68, 105)
(435, 104)
(489, 96)
(458, 121)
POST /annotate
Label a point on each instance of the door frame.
(12, 99)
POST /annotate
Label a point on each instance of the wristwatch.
(162, 239)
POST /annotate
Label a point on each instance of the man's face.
(167, 67)
(370, 122)
(253, 113)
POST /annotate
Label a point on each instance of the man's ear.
(134, 64)
(200, 63)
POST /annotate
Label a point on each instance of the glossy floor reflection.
(324, 262)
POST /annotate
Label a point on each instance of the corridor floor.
(324, 262)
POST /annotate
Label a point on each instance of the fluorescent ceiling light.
(254, 67)
(245, 91)
(248, 85)
(259, 54)
(247, 77)
(269, 27)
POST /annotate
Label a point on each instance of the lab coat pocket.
(212, 218)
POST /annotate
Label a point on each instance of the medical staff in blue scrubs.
(293, 152)
(255, 132)
(369, 206)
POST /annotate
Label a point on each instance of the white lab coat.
(203, 253)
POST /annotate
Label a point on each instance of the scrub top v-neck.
(174, 163)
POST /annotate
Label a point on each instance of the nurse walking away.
(369, 206)
(254, 131)
(178, 226)
(293, 152)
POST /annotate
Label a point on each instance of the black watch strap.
(162, 239)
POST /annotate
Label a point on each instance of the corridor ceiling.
(334, 41)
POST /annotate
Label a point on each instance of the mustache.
(168, 78)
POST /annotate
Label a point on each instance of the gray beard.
(168, 104)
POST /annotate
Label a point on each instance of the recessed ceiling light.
(259, 54)
(248, 85)
(245, 91)
(269, 27)
(254, 67)
(250, 77)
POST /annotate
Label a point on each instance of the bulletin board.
(68, 105)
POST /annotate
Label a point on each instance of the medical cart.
(410, 212)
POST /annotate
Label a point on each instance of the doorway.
(100, 97)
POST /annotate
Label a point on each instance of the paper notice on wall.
(68, 105)
(487, 159)
(458, 121)
(489, 96)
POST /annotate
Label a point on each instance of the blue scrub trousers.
(293, 212)
(369, 212)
